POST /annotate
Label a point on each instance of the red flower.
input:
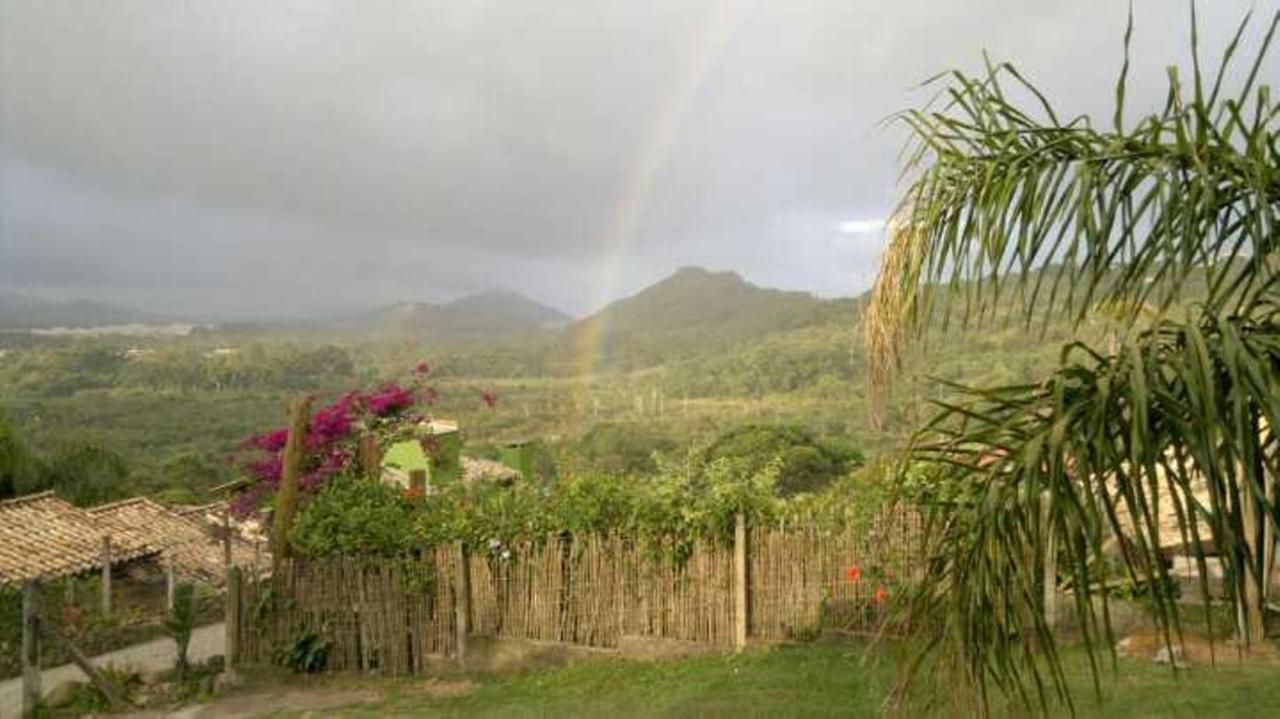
(881, 595)
(853, 574)
(422, 367)
(490, 397)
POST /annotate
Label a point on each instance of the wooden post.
(170, 581)
(740, 581)
(231, 618)
(418, 481)
(287, 496)
(1050, 563)
(370, 456)
(106, 574)
(462, 603)
(104, 685)
(227, 560)
(31, 692)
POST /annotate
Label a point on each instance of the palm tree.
(1010, 203)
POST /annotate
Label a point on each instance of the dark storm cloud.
(244, 157)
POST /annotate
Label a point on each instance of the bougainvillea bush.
(389, 412)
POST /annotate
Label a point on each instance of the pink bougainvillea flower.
(421, 368)
(331, 423)
(268, 469)
(853, 573)
(490, 397)
(881, 595)
(272, 441)
(390, 399)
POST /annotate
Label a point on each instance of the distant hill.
(19, 312)
(693, 311)
(487, 313)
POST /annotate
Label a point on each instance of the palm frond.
(1168, 435)
(1068, 215)
(1178, 426)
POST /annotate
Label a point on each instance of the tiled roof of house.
(43, 537)
(195, 549)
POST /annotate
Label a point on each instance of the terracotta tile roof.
(42, 537)
(196, 550)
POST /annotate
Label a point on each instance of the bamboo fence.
(385, 614)
(394, 614)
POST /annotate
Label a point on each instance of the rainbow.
(664, 130)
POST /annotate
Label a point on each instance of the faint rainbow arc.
(664, 130)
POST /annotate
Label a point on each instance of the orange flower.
(413, 494)
(853, 574)
(881, 595)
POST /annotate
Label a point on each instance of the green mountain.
(692, 312)
(484, 314)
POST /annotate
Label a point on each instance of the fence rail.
(396, 614)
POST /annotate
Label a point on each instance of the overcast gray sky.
(270, 157)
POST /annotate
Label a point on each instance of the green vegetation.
(813, 680)
(1174, 410)
(174, 408)
(674, 506)
(805, 463)
(353, 517)
(180, 623)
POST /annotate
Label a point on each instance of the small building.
(438, 452)
(195, 549)
(43, 537)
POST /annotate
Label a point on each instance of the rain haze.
(244, 159)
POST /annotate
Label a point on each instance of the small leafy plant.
(306, 651)
(181, 622)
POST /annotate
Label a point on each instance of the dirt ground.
(271, 692)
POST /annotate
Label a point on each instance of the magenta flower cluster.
(329, 442)
(389, 400)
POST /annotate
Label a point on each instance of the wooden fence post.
(231, 618)
(170, 581)
(30, 647)
(227, 559)
(106, 574)
(462, 603)
(370, 455)
(740, 588)
(108, 688)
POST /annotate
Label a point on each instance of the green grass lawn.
(817, 680)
